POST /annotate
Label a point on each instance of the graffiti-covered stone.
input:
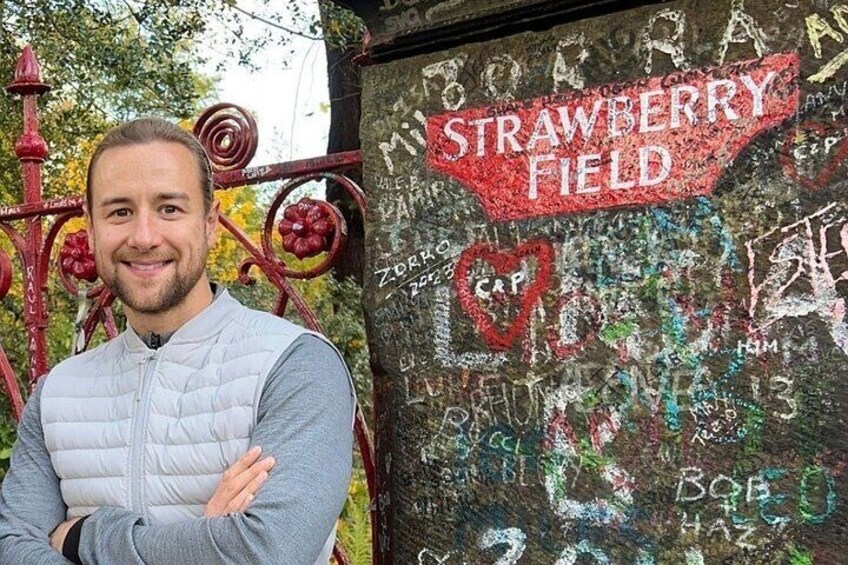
(389, 19)
(608, 269)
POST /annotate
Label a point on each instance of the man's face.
(149, 229)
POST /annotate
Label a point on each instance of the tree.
(342, 37)
(111, 60)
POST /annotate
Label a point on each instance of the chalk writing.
(413, 264)
(513, 538)
(790, 272)
(671, 45)
(741, 28)
(819, 28)
(566, 68)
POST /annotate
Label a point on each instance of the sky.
(287, 96)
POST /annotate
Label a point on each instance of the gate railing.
(309, 228)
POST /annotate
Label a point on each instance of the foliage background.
(111, 60)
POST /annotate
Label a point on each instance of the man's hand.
(238, 484)
(57, 538)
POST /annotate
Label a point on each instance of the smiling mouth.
(145, 267)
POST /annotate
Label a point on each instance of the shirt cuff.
(70, 548)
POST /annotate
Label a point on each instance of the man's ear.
(89, 228)
(212, 223)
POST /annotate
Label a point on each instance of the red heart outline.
(829, 166)
(503, 262)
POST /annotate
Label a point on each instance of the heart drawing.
(837, 153)
(504, 263)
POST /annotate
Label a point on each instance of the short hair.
(150, 130)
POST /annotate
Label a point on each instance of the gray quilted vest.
(152, 431)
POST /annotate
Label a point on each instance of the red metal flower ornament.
(76, 258)
(307, 228)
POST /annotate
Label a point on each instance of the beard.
(171, 293)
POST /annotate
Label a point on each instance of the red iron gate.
(230, 138)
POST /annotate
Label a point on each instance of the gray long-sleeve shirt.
(304, 418)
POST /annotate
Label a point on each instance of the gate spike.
(27, 75)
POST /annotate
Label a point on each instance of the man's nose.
(146, 233)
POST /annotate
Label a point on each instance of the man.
(146, 449)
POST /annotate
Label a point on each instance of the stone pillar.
(606, 280)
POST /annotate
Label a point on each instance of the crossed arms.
(303, 422)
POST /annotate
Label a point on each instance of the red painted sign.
(654, 140)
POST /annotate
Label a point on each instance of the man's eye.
(120, 213)
(169, 209)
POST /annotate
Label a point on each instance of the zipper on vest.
(140, 379)
(146, 370)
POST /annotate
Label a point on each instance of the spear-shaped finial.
(27, 75)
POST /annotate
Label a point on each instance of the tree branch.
(275, 24)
